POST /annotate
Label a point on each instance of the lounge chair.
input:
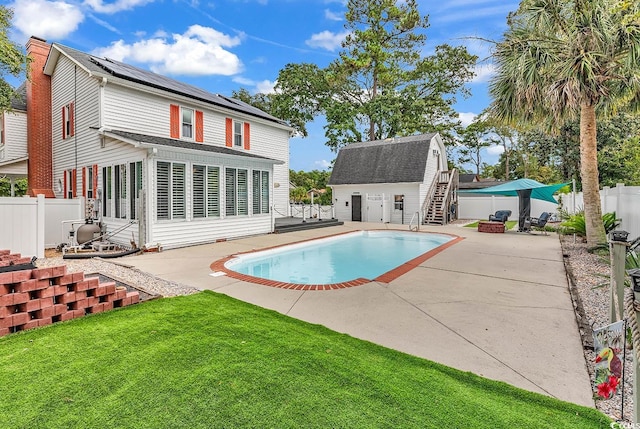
(500, 216)
(539, 223)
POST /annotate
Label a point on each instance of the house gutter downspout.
(75, 116)
(103, 84)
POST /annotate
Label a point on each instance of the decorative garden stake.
(618, 250)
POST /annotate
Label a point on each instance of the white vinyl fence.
(29, 225)
(480, 207)
(623, 200)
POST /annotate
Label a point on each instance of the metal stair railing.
(452, 185)
(417, 227)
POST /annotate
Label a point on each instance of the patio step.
(309, 224)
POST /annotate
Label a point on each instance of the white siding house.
(386, 180)
(13, 138)
(159, 160)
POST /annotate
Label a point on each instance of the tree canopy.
(12, 60)
(381, 85)
(564, 59)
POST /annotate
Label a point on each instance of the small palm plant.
(576, 224)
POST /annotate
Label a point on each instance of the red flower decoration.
(613, 383)
(604, 390)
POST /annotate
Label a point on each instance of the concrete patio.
(497, 305)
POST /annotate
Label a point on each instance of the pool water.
(361, 254)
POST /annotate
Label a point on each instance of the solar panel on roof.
(129, 72)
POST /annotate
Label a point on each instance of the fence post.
(618, 252)
(40, 228)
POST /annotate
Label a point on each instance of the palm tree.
(562, 59)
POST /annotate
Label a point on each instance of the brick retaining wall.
(492, 227)
(41, 296)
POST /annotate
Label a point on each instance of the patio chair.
(539, 223)
(500, 216)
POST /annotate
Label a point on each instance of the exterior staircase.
(441, 203)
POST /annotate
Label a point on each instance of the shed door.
(356, 208)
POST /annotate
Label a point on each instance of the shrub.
(575, 223)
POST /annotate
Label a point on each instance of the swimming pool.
(360, 256)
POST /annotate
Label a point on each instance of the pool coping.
(387, 277)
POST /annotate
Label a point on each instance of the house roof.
(19, 100)
(101, 66)
(398, 160)
(468, 177)
(147, 140)
(479, 185)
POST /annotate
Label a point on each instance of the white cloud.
(471, 13)
(495, 150)
(483, 72)
(119, 5)
(198, 52)
(332, 16)
(323, 163)
(466, 117)
(104, 24)
(327, 40)
(243, 81)
(263, 87)
(46, 19)
(160, 33)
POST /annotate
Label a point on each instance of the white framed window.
(206, 191)
(163, 194)
(120, 188)
(68, 127)
(170, 190)
(187, 123)
(238, 133)
(398, 202)
(69, 179)
(236, 192)
(89, 181)
(107, 196)
(135, 184)
(260, 183)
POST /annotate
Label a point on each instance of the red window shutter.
(72, 126)
(64, 122)
(228, 138)
(84, 182)
(247, 136)
(199, 126)
(65, 185)
(74, 183)
(95, 181)
(174, 126)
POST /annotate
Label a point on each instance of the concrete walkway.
(493, 304)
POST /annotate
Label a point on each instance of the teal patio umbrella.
(524, 189)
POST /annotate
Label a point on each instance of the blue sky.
(222, 45)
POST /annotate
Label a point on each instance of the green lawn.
(209, 361)
(510, 224)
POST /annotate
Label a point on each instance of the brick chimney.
(39, 145)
